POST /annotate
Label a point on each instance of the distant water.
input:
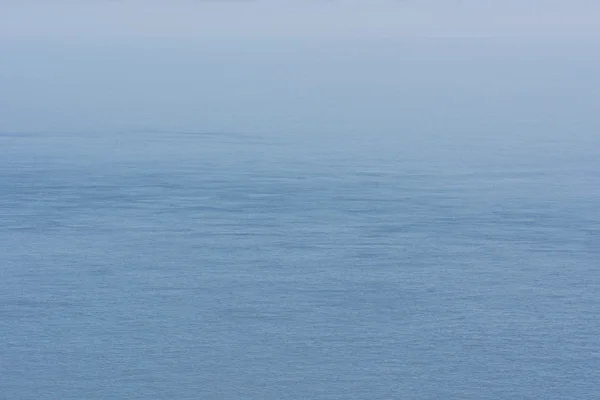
(191, 265)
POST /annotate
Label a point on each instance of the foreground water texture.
(381, 264)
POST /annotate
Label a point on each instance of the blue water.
(232, 266)
(443, 259)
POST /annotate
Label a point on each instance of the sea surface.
(190, 265)
(429, 257)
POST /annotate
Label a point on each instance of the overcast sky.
(297, 18)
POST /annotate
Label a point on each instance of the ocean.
(436, 238)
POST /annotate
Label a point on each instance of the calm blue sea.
(373, 250)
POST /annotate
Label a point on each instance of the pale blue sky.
(295, 18)
(270, 66)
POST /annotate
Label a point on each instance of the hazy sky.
(130, 63)
(296, 18)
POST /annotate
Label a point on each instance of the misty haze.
(318, 200)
